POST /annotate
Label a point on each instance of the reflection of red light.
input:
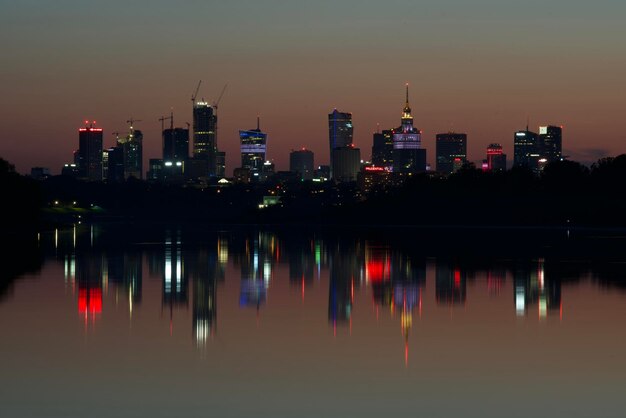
(377, 270)
(90, 301)
(457, 278)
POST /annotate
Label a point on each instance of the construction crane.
(117, 137)
(195, 94)
(217, 102)
(164, 118)
(132, 121)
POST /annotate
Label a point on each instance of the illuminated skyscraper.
(205, 136)
(408, 155)
(496, 159)
(340, 131)
(450, 148)
(525, 149)
(89, 157)
(253, 149)
(550, 143)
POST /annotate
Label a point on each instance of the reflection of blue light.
(406, 296)
(253, 293)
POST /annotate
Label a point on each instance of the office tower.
(253, 149)
(175, 145)
(525, 150)
(89, 154)
(451, 149)
(220, 164)
(346, 164)
(382, 149)
(496, 159)
(113, 164)
(301, 162)
(205, 136)
(408, 155)
(550, 143)
(340, 131)
(155, 169)
(132, 148)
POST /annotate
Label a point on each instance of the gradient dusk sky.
(481, 67)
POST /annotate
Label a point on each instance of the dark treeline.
(566, 194)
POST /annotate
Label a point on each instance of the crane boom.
(195, 93)
(217, 102)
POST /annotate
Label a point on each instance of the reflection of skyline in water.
(194, 272)
(344, 320)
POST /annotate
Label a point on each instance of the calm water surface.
(254, 323)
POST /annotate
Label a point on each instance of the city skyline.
(498, 65)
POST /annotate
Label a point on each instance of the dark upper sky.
(480, 67)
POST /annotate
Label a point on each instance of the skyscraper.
(408, 155)
(347, 163)
(113, 164)
(205, 135)
(550, 143)
(253, 149)
(340, 132)
(175, 145)
(525, 149)
(496, 159)
(132, 149)
(451, 148)
(89, 155)
(382, 149)
(301, 162)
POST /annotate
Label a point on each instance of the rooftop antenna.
(258, 123)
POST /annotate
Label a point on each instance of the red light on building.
(457, 278)
(375, 169)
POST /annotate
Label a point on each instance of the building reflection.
(91, 281)
(175, 280)
(205, 270)
(532, 286)
(261, 253)
(345, 263)
(125, 272)
(397, 283)
(450, 283)
(302, 263)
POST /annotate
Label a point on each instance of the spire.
(258, 122)
(407, 107)
(407, 94)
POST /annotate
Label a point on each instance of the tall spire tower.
(408, 155)
(407, 118)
